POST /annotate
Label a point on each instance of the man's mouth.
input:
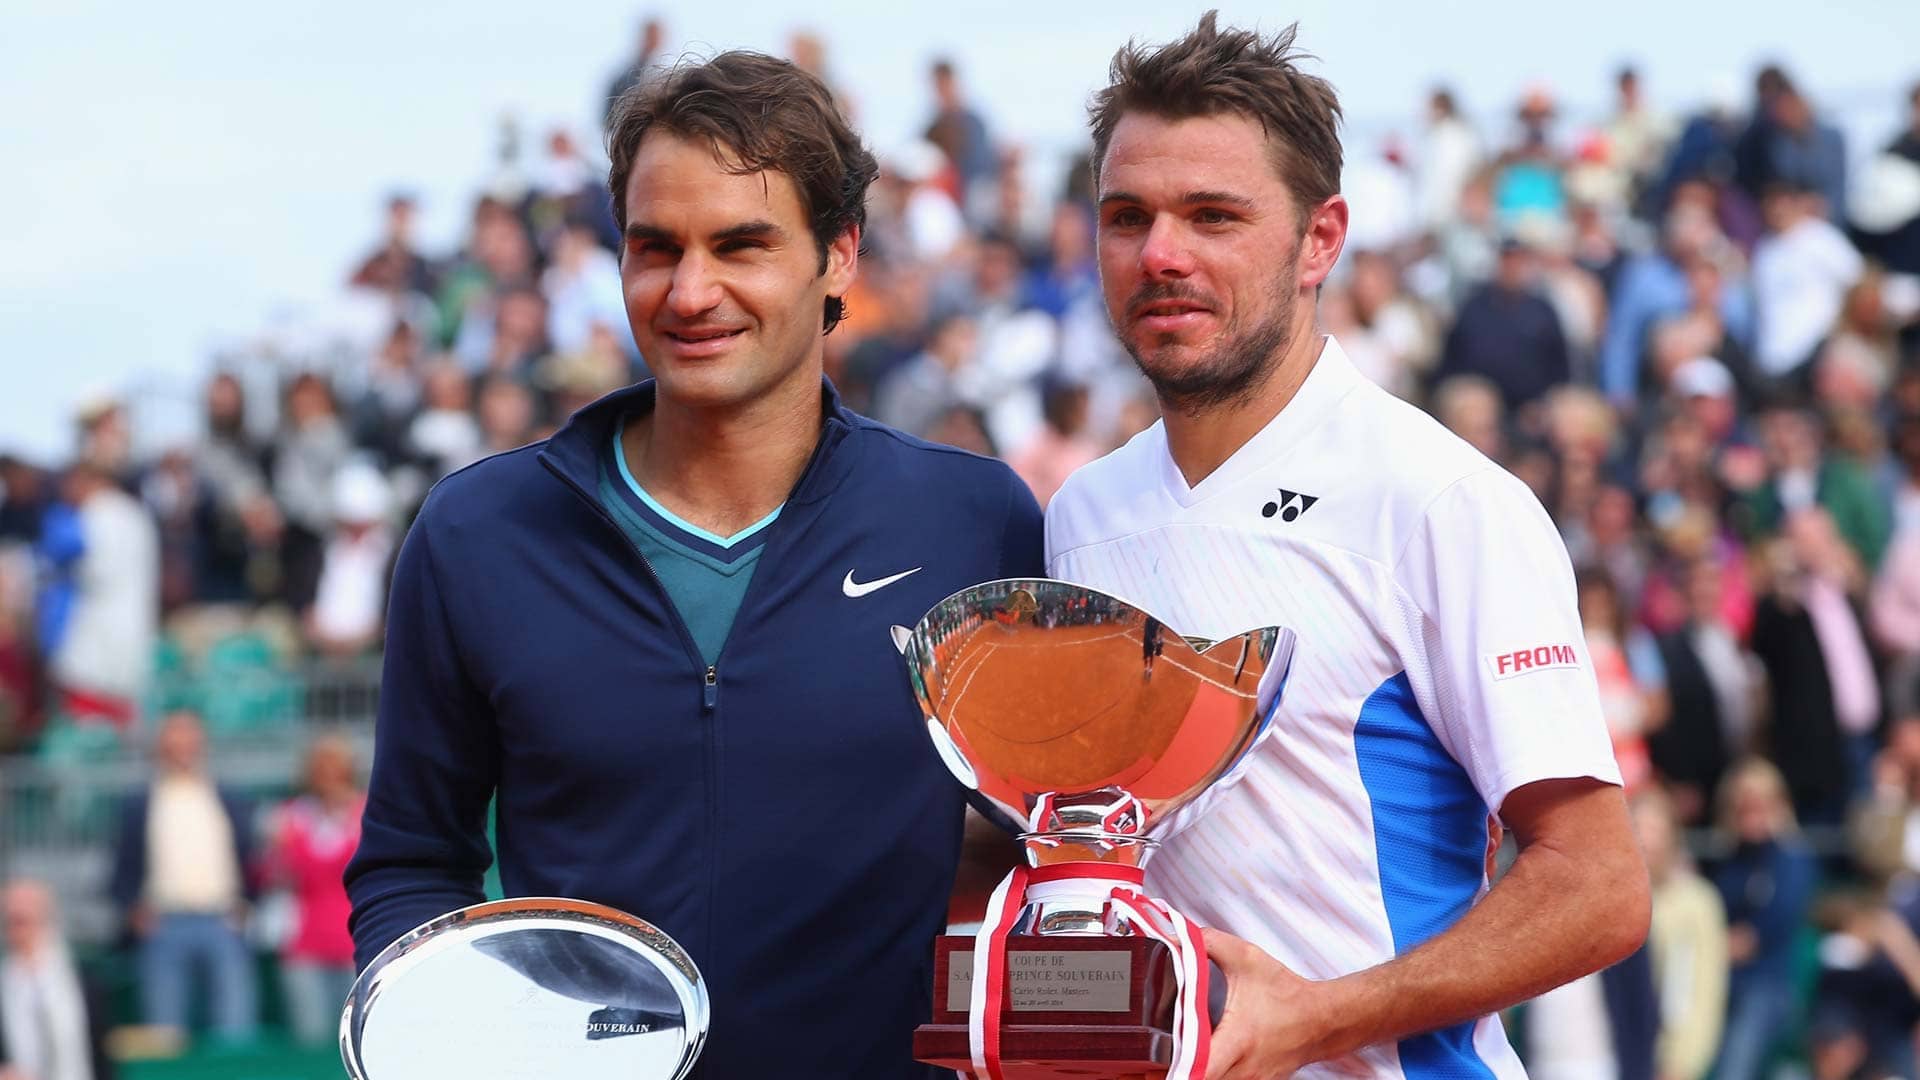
(696, 337)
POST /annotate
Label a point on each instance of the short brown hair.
(1214, 71)
(764, 113)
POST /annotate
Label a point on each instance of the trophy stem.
(1053, 847)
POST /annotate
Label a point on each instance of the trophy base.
(1054, 1051)
(1079, 1006)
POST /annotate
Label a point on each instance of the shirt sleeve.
(1509, 686)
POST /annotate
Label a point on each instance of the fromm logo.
(1521, 661)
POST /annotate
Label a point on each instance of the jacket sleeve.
(423, 847)
(130, 855)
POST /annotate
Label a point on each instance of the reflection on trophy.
(1093, 724)
(527, 989)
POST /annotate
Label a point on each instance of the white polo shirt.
(1440, 664)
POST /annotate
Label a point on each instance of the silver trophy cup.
(1082, 718)
(1093, 728)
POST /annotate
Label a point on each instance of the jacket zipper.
(710, 680)
(709, 675)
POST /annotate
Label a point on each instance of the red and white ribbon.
(989, 989)
(1119, 888)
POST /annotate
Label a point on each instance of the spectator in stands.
(181, 879)
(1655, 285)
(1386, 326)
(1824, 696)
(1713, 687)
(1508, 333)
(1700, 332)
(396, 266)
(349, 605)
(1626, 664)
(1886, 824)
(649, 58)
(101, 658)
(53, 1017)
(1470, 406)
(958, 130)
(1017, 343)
(242, 524)
(444, 436)
(582, 287)
(500, 258)
(1062, 445)
(313, 838)
(1802, 270)
(1803, 475)
(1786, 143)
(179, 505)
(1637, 134)
(24, 494)
(1895, 598)
(1689, 942)
(1907, 143)
(1449, 156)
(311, 447)
(19, 673)
(1068, 275)
(1767, 886)
(1864, 1008)
(106, 439)
(508, 335)
(915, 395)
(1886, 215)
(506, 414)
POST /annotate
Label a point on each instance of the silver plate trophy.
(527, 989)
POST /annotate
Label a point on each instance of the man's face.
(722, 275)
(181, 745)
(24, 912)
(1199, 244)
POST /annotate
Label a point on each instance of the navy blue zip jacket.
(782, 815)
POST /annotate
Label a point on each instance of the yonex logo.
(1521, 661)
(1291, 505)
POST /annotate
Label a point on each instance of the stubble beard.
(1234, 370)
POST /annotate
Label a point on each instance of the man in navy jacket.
(660, 638)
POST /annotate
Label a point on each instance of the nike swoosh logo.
(858, 589)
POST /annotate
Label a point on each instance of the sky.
(182, 177)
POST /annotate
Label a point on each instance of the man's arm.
(423, 846)
(1574, 901)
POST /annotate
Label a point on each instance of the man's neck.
(724, 469)
(1202, 441)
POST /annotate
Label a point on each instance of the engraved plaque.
(1043, 981)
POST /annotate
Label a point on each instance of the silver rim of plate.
(527, 987)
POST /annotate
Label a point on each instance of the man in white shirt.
(1441, 674)
(1802, 270)
(104, 659)
(49, 1025)
(180, 876)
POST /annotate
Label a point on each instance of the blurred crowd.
(1695, 335)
